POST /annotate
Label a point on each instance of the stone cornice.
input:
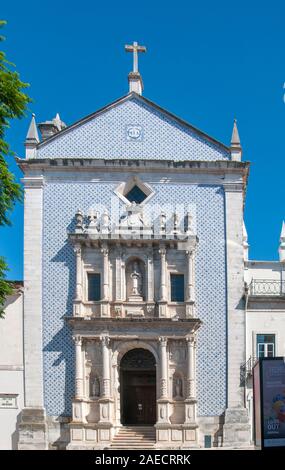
(86, 323)
(85, 164)
(233, 187)
(33, 181)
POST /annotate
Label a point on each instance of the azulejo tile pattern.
(61, 200)
(104, 136)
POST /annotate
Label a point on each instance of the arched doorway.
(138, 388)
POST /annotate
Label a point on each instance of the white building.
(11, 369)
(265, 313)
(137, 318)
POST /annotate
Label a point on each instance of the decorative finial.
(32, 139)
(236, 150)
(32, 135)
(79, 221)
(135, 80)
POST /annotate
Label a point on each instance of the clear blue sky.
(207, 62)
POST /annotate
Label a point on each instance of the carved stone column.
(106, 367)
(118, 280)
(163, 368)
(190, 401)
(105, 311)
(150, 277)
(78, 367)
(105, 253)
(163, 289)
(190, 389)
(163, 401)
(190, 290)
(78, 290)
(105, 401)
(78, 404)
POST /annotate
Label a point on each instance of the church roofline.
(131, 95)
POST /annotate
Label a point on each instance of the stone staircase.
(134, 437)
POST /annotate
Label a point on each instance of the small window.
(136, 195)
(94, 286)
(177, 287)
(265, 345)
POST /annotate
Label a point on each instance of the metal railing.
(246, 369)
(268, 287)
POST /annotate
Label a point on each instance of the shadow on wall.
(58, 335)
(15, 434)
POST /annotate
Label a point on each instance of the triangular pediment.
(133, 128)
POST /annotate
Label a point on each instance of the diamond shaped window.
(134, 190)
(136, 195)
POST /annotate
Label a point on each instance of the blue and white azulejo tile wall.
(132, 129)
(61, 200)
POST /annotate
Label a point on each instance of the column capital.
(190, 340)
(190, 252)
(104, 248)
(77, 340)
(163, 341)
(162, 250)
(77, 249)
(105, 340)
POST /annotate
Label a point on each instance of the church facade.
(134, 311)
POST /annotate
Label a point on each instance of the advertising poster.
(273, 402)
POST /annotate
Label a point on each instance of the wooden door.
(139, 398)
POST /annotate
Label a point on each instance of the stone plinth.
(33, 430)
(236, 430)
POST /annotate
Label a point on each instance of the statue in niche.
(177, 387)
(136, 280)
(94, 386)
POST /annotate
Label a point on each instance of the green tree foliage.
(13, 103)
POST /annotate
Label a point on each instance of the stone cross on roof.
(135, 48)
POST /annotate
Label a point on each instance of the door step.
(134, 437)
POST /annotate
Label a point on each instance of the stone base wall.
(33, 430)
(89, 437)
(179, 436)
(210, 426)
(236, 430)
(36, 431)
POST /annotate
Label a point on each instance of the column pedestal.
(105, 410)
(77, 308)
(79, 410)
(33, 430)
(162, 309)
(236, 430)
(105, 308)
(163, 411)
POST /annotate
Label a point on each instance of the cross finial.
(135, 48)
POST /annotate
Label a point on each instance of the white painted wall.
(268, 317)
(264, 270)
(11, 368)
(269, 322)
